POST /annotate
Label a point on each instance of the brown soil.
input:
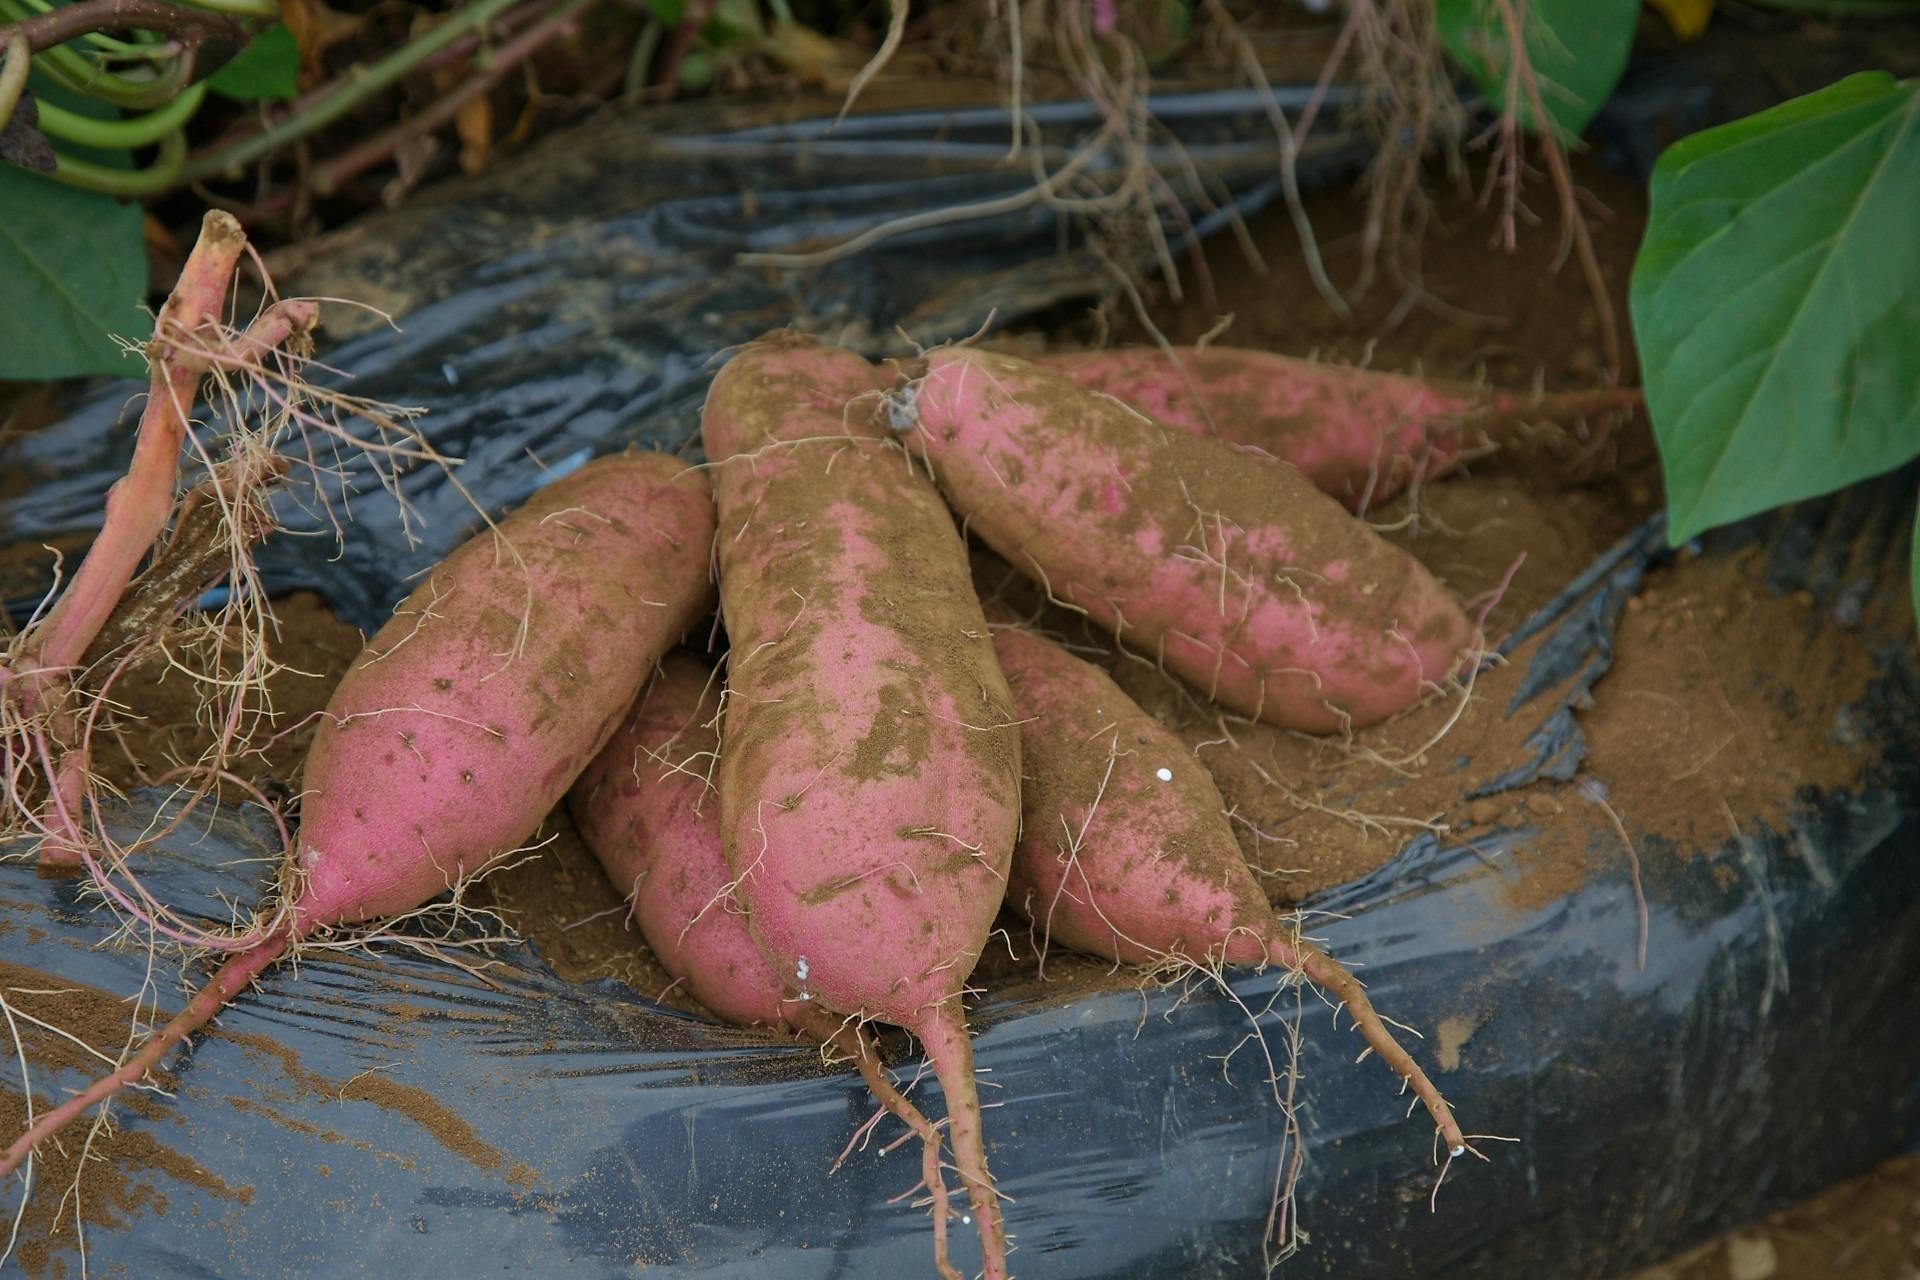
(1723, 695)
(126, 1172)
(564, 904)
(162, 730)
(1866, 1229)
(289, 1079)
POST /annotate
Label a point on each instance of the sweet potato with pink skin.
(1360, 435)
(482, 700)
(1230, 569)
(470, 713)
(869, 767)
(646, 810)
(1125, 851)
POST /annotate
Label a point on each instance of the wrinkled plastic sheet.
(576, 302)
(1762, 1054)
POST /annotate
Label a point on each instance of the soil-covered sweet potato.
(869, 768)
(1228, 568)
(648, 811)
(1125, 851)
(1361, 435)
(471, 712)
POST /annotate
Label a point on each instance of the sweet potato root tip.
(858, 1045)
(949, 1048)
(1332, 976)
(645, 809)
(1125, 851)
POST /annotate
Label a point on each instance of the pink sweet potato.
(469, 714)
(869, 768)
(1125, 851)
(1230, 569)
(649, 814)
(1358, 434)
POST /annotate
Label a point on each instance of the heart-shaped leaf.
(1576, 50)
(1776, 302)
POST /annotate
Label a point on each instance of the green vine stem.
(113, 135)
(159, 176)
(14, 65)
(359, 84)
(107, 49)
(72, 72)
(240, 8)
(49, 32)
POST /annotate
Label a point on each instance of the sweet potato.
(471, 712)
(1358, 434)
(1125, 851)
(651, 818)
(1230, 569)
(869, 768)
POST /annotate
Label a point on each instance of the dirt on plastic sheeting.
(1720, 707)
(126, 1174)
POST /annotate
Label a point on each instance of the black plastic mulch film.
(573, 304)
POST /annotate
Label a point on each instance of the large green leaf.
(75, 272)
(1776, 302)
(1577, 49)
(269, 68)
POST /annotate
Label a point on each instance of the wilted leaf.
(474, 124)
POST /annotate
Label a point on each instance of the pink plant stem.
(692, 19)
(138, 506)
(140, 501)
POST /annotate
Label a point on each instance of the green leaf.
(1776, 302)
(76, 271)
(732, 21)
(269, 67)
(1577, 49)
(667, 11)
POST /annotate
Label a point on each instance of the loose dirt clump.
(1700, 719)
